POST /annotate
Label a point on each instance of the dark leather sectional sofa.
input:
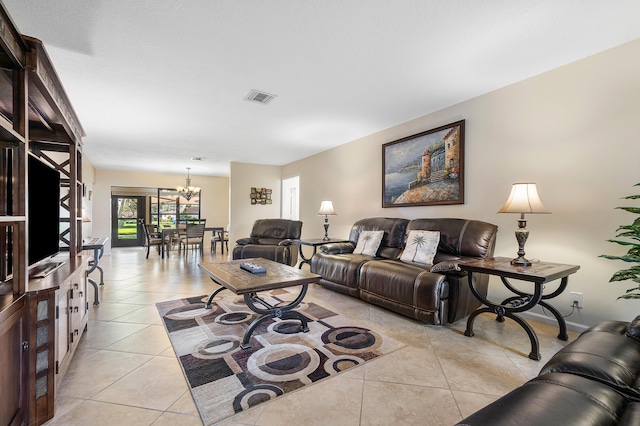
(435, 294)
(594, 380)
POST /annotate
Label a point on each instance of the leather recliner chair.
(273, 239)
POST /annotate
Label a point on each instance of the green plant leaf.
(631, 197)
(626, 274)
(623, 258)
(624, 243)
(630, 296)
(635, 210)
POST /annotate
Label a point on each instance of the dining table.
(165, 247)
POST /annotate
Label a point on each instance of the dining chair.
(222, 237)
(150, 240)
(194, 236)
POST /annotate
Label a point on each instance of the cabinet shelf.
(8, 220)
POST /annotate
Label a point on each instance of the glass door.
(125, 212)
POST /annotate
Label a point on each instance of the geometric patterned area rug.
(225, 379)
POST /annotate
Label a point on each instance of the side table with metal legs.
(97, 245)
(538, 274)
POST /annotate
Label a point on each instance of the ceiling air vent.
(260, 97)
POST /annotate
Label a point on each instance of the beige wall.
(215, 195)
(245, 176)
(573, 131)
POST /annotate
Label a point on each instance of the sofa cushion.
(459, 237)
(407, 288)
(339, 271)
(278, 229)
(394, 233)
(421, 246)
(368, 242)
(553, 399)
(602, 355)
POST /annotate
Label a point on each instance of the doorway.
(125, 212)
(290, 199)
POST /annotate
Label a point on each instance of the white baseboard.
(551, 320)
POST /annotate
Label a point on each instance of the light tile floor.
(125, 372)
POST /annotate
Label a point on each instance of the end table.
(538, 274)
(314, 242)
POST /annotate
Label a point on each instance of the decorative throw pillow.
(368, 242)
(421, 246)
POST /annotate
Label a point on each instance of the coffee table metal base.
(267, 311)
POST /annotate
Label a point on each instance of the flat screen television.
(43, 210)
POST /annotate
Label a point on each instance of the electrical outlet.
(576, 300)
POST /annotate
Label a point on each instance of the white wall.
(572, 130)
(88, 178)
(214, 204)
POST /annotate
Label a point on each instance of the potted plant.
(631, 239)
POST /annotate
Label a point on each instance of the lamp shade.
(326, 209)
(523, 199)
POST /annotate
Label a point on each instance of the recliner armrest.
(337, 248)
(448, 268)
(286, 242)
(245, 241)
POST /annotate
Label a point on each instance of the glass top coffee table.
(231, 277)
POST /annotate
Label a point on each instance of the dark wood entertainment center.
(41, 319)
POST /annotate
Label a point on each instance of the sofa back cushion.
(270, 231)
(459, 237)
(393, 238)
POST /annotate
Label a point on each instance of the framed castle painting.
(425, 169)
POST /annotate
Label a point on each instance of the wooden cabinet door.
(15, 357)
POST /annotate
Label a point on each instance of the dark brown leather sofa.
(594, 380)
(435, 294)
(272, 239)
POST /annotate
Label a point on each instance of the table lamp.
(326, 209)
(523, 199)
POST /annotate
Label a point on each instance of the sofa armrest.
(633, 330)
(337, 248)
(244, 241)
(286, 242)
(448, 268)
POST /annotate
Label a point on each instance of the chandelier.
(188, 191)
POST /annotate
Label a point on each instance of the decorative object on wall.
(188, 191)
(326, 209)
(424, 169)
(523, 199)
(260, 196)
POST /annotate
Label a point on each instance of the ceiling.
(156, 82)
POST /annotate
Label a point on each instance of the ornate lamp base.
(521, 235)
(326, 229)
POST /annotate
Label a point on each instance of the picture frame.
(425, 169)
(260, 196)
